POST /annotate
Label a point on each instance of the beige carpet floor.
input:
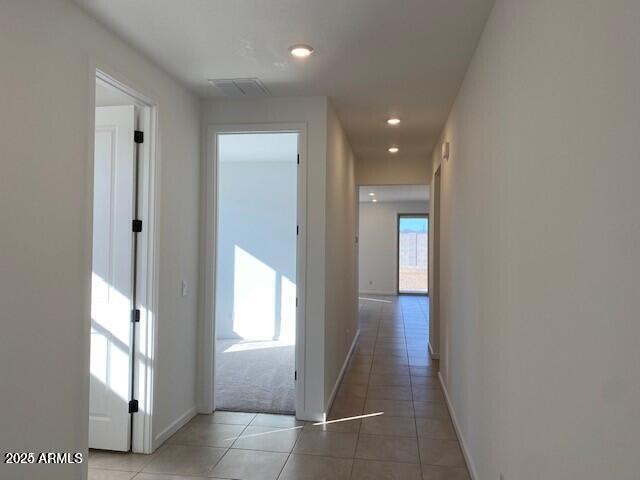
(255, 376)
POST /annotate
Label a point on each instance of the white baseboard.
(465, 451)
(310, 416)
(341, 374)
(377, 292)
(435, 356)
(180, 422)
(201, 409)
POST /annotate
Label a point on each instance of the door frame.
(434, 239)
(148, 192)
(210, 221)
(410, 215)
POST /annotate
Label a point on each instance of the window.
(413, 272)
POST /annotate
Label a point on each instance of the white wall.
(540, 232)
(257, 243)
(395, 170)
(47, 48)
(340, 251)
(331, 202)
(378, 244)
(313, 113)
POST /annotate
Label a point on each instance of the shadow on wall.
(110, 359)
(256, 252)
(263, 302)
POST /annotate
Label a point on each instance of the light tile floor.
(402, 431)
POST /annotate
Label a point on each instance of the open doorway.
(121, 282)
(256, 271)
(413, 254)
(383, 251)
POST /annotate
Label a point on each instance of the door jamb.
(210, 211)
(434, 238)
(147, 254)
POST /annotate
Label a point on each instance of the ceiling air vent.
(240, 87)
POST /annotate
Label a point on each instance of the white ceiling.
(374, 58)
(395, 193)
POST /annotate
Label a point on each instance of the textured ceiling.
(374, 58)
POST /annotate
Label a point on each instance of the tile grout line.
(229, 447)
(386, 323)
(413, 405)
(366, 397)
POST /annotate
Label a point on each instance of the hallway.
(140, 227)
(402, 429)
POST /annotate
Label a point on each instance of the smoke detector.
(240, 87)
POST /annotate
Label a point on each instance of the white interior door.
(112, 279)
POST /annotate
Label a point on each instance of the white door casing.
(304, 410)
(112, 279)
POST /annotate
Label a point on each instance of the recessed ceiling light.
(371, 194)
(394, 149)
(300, 51)
(393, 121)
(374, 200)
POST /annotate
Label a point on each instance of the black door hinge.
(135, 315)
(297, 229)
(295, 375)
(138, 136)
(133, 406)
(298, 159)
(136, 226)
